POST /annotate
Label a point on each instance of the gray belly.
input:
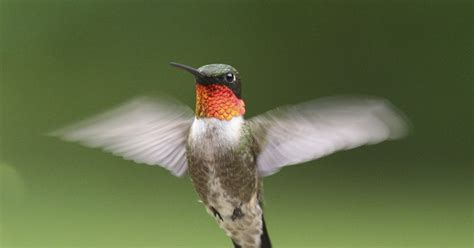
(225, 181)
(239, 217)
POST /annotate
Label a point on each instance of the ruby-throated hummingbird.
(227, 156)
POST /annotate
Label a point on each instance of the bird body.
(227, 156)
(222, 166)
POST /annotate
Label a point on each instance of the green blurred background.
(65, 60)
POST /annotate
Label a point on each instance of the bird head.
(218, 91)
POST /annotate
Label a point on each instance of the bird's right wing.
(299, 133)
(146, 130)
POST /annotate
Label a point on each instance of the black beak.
(199, 77)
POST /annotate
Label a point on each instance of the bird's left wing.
(296, 134)
(146, 130)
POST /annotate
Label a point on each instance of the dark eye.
(229, 77)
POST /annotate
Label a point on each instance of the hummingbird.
(225, 155)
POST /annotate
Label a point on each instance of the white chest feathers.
(214, 134)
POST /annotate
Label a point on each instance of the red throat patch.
(217, 101)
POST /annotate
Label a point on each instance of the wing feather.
(299, 133)
(146, 130)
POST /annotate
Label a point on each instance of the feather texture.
(145, 130)
(299, 133)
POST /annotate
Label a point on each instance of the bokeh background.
(65, 60)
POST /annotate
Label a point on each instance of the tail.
(264, 238)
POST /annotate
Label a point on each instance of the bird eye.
(229, 77)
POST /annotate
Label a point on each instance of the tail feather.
(264, 238)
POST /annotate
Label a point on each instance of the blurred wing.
(295, 134)
(145, 130)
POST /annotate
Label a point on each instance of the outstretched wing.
(295, 134)
(146, 130)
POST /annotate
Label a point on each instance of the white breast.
(212, 133)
